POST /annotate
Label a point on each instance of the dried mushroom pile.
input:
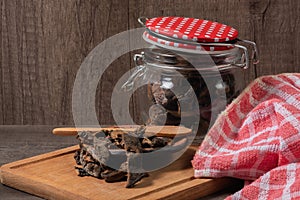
(96, 149)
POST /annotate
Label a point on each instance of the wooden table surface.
(19, 142)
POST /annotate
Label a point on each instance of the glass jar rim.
(165, 59)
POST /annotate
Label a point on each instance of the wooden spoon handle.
(162, 131)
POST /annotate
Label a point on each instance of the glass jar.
(188, 85)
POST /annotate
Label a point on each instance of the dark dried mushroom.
(96, 150)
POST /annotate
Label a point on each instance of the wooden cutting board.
(52, 176)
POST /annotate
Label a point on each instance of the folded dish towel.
(257, 138)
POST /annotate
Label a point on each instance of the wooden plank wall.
(43, 43)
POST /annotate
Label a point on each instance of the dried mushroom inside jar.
(169, 104)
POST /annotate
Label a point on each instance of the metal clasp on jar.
(254, 56)
(245, 61)
(140, 71)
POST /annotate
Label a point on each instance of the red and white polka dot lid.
(193, 35)
(197, 30)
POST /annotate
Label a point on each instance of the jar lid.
(198, 30)
(199, 36)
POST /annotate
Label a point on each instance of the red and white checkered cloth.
(257, 138)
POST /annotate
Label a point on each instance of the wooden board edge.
(193, 189)
(7, 177)
(36, 188)
(38, 158)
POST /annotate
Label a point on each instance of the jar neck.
(207, 61)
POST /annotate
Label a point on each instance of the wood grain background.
(43, 43)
